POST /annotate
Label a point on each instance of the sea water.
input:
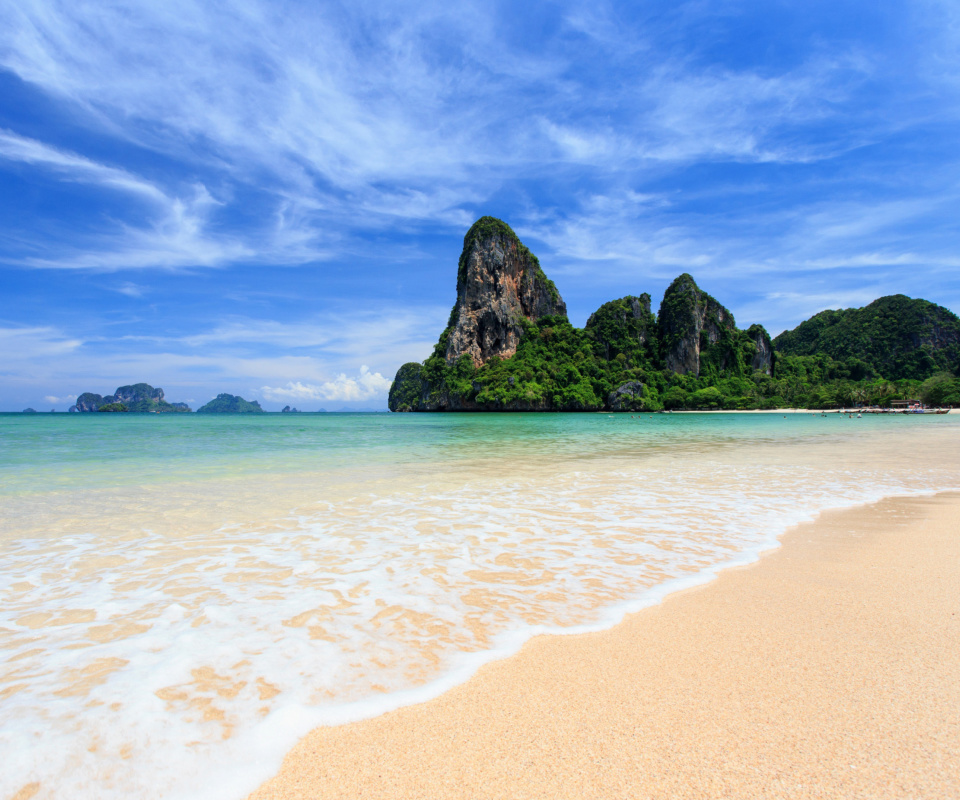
(184, 596)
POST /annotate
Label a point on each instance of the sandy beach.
(831, 668)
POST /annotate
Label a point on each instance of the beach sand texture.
(831, 669)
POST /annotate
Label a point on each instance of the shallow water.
(184, 596)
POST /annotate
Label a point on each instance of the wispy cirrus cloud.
(28, 344)
(362, 117)
(14, 147)
(176, 235)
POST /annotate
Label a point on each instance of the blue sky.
(269, 198)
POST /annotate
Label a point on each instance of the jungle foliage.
(113, 407)
(837, 358)
(897, 337)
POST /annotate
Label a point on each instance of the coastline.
(826, 668)
(813, 412)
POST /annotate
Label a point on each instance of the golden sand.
(831, 669)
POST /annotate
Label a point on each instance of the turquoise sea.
(184, 596)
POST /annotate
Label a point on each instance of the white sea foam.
(171, 663)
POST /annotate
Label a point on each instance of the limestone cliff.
(499, 285)
(89, 401)
(628, 397)
(509, 346)
(136, 397)
(762, 360)
(690, 321)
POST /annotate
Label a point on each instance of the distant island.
(142, 397)
(136, 397)
(508, 346)
(230, 404)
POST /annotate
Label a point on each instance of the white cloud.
(19, 345)
(130, 289)
(174, 237)
(75, 167)
(344, 132)
(363, 386)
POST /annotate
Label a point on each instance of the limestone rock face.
(407, 389)
(138, 393)
(763, 360)
(690, 321)
(628, 397)
(89, 401)
(136, 397)
(499, 284)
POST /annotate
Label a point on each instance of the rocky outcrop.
(628, 397)
(89, 401)
(508, 345)
(690, 320)
(408, 388)
(230, 404)
(29, 411)
(499, 285)
(135, 397)
(762, 360)
(138, 394)
(288, 410)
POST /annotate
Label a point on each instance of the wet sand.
(829, 669)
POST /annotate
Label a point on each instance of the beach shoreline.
(814, 412)
(827, 668)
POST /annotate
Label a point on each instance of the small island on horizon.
(144, 398)
(508, 346)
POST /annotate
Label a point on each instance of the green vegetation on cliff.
(230, 404)
(113, 407)
(897, 337)
(556, 366)
(140, 397)
(689, 356)
(625, 327)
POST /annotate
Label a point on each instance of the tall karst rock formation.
(508, 345)
(696, 330)
(499, 285)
